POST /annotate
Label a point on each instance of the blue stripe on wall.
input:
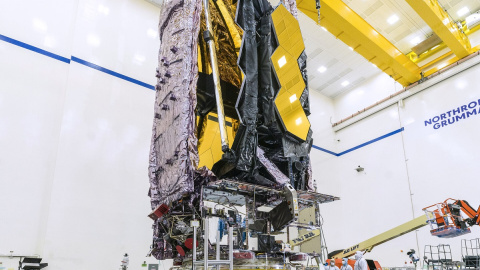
(149, 86)
(34, 49)
(324, 150)
(111, 72)
(75, 59)
(361, 145)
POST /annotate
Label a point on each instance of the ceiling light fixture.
(324, 29)
(322, 69)
(139, 57)
(93, 40)
(50, 41)
(392, 19)
(103, 9)
(351, 49)
(152, 33)
(415, 40)
(463, 11)
(345, 83)
(40, 25)
(282, 61)
(442, 65)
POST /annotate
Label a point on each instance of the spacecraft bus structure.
(230, 124)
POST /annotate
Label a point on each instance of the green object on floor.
(144, 264)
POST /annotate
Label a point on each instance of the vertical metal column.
(303, 172)
(205, 244)
(290, 172)
(194, 251)
(208, 36)
(317, 220)
(230, 246)
(266, 261)
(323, 245)
(218, 249)
(288, 234)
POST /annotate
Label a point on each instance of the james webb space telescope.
(230, 126)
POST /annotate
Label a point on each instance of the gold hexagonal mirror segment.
(285, 63)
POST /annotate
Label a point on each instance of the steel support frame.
(437, 18)
(207, 262)
(353, 30)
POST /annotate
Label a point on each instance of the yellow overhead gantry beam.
(434, 15)
(348, 26)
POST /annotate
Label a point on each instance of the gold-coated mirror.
(285, 63)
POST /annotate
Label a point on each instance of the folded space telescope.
(231, 105)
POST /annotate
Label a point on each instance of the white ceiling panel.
(399, 32)
(405, 30)
(453, 6)
(342, 64)
(410, 28)
(394, 19)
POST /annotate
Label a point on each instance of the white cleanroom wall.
(30, 120)
(76, 110)
(74, 141)
(32, 92)
(408, 164)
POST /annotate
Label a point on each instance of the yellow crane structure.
(391, 234)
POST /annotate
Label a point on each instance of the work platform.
(234, 192)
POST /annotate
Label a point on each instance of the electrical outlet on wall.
(359, 169)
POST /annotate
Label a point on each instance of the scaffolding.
(439, 257)
(471, 253)
(232, 194)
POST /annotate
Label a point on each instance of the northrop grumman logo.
(455, 115)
